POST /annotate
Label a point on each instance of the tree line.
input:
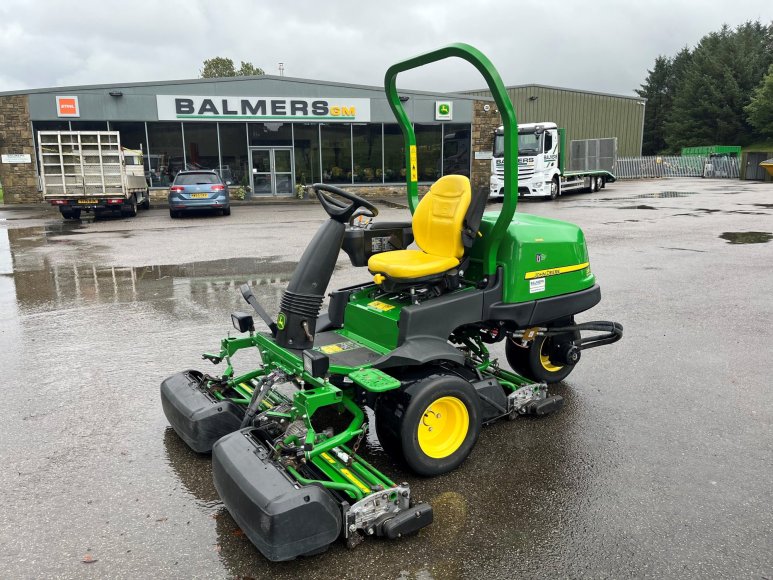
(718, 93)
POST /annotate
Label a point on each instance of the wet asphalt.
(659, 465)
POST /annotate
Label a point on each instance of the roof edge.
(540, 86)
(97, 87)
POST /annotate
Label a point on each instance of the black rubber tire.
(76, 214)
(409, 411)
(529, 361)
(66, 214)
(173, 214)
(555, 188)
(227, 211)
(387, 425)
(146, 202)
(131, 210)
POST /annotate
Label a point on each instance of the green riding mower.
(410, 344)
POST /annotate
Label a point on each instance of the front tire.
(555, 188)
(433, 424)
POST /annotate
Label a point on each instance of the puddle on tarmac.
(765, 205)
(747, 237)
(197, 286)
(637, 207)
(665, 194)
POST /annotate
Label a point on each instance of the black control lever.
(252, 301)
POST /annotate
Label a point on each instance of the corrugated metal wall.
(583, 115)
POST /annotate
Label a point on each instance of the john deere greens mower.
(411, 344)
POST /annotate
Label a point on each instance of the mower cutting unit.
(411, 345)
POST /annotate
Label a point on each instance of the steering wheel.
(339, 210)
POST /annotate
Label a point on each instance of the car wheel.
(227, 211)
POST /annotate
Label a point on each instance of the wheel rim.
(545, 360)
(443, 427)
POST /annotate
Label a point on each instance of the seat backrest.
(439, 217)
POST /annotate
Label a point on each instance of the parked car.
(201, 189)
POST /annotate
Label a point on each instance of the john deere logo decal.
(281, 320)
(443, 111)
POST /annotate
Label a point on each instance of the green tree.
(760, 108)
(716, 84)
(247, 69)
(659, 89)
(219, 66)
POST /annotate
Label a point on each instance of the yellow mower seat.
(437, 230)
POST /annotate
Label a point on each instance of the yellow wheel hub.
(545, 360)
(443, 427)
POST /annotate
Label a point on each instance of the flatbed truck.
(547, 169)
(90, 171)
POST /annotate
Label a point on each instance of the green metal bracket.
(497, 87)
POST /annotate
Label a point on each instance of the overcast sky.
(605, 45)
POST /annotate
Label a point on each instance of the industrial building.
(584, 114)
(270, 134)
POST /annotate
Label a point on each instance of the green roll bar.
(497, 88)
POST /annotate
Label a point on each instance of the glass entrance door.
(272, 170)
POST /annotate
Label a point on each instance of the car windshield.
(196, 179)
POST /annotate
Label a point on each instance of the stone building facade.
(18, 179)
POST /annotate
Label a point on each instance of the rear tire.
(130, 209)
(173, 214)
(146, 201)
(533, 361)
(227, 211)
(433, 424)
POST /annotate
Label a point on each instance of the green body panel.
(706, 150)
(529, 238)
(373, 320)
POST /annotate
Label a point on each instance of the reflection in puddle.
(637, 207)
(193, 285)
(747, 237)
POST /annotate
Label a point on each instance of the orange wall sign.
(67, 107)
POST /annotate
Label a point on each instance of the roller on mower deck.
(411, 345)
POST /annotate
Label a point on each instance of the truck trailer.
(90, 171)
(547, 169)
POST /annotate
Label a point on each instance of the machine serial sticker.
(382, 306)
(536, 285)
(338, 347)
(555, 271)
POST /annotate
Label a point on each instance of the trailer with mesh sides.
(90, 171)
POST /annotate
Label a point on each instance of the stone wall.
(484, 123)
(18, 179)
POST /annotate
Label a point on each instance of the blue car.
(201, 189)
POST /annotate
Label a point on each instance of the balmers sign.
(178, 108)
